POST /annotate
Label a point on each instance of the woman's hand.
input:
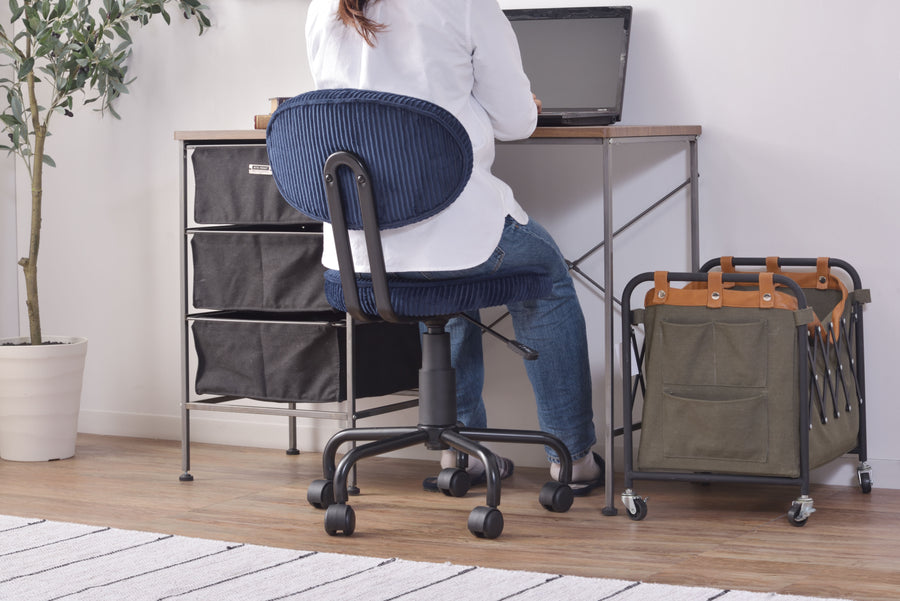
(537, 101)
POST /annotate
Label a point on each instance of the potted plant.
(57, 51)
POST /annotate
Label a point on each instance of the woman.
(463, 56)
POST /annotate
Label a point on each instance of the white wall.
(9, 326)
(797, 158)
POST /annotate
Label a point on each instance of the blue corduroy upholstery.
(418, 154)
(426, 298)
(419, 158)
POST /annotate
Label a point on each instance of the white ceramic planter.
(40, 394)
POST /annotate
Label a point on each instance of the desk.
(607, 137)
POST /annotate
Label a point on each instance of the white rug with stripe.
(42, 560)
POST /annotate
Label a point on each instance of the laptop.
(575, 59)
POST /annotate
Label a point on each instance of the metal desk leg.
(695, 207)
(608, 312)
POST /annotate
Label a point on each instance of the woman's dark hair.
(351, 13)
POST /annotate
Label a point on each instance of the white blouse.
(463, 56)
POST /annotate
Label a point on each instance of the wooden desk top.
(592, 131)
(616, 131)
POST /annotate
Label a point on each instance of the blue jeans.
(554, 326)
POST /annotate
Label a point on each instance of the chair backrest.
(418, 155)
(368, 160)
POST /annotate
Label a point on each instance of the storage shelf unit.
(258, 336)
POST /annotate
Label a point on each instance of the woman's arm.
(501, 86)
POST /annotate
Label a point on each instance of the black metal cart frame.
(812, 394)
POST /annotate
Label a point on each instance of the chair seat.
(432, 298)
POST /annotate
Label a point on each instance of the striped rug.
(42, 560)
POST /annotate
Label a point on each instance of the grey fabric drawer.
(231, 188)
(302, 362)
(262, 271)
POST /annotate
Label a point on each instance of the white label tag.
(260, 170)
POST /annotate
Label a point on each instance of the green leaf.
(15, 105)
(16, 10)
(118, 85)
(122, 30)
(26, 67)
(49, 161)
(9, 120)
(123, 45)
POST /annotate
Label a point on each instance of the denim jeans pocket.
(490, 266)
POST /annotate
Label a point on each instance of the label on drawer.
(260, 169)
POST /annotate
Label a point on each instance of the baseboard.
(216, 428)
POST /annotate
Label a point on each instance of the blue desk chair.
(372, 161)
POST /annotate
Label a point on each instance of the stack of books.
(262, 121)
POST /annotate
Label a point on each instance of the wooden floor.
(728, 536)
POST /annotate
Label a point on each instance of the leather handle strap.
(661, 287)
(727, 264)
(766, 290)
(715, 293)
(822, 273)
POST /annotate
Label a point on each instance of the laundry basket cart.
(753, 376)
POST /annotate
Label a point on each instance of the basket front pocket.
(690, 353)
(715, 354)
(730, 430)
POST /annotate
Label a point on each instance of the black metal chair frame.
(438, 428)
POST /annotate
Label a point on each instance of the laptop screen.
(575, 58)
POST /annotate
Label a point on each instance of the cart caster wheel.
(486, 522)
(640, 510)
(453, 482)
(340, 518)
(320, 494)
(865, 483)
(556, 497)
(793, 516)
(800, 511)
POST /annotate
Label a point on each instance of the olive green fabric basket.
(723, 389)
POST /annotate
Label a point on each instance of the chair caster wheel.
(556, 497)
(320, 494)
(340, 518)
(453, 482)
(486, 522)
